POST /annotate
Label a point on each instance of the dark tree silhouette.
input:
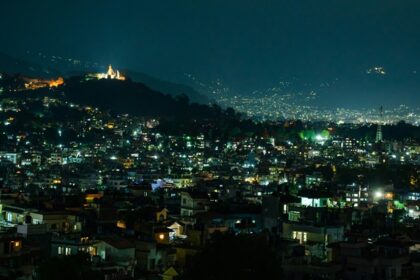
(235, 257)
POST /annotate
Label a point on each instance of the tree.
(72, 267)
(232, 257)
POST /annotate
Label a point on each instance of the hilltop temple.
(111, 74)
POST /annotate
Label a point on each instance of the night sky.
(250, 44)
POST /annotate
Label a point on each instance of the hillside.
(171, 88)
(134, 98)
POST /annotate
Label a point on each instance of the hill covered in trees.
(136, 99)
(167, 87)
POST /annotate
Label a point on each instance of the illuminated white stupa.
(111, 74)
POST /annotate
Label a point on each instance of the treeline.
(399, 132)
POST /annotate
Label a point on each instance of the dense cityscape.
(143, 204)
(209, 140)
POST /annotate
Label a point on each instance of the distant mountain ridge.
(12, 65)
(353, 88)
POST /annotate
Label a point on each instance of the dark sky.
(250, 44)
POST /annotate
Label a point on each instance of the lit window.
(68, 251)
(301, 236)
(92, 250)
